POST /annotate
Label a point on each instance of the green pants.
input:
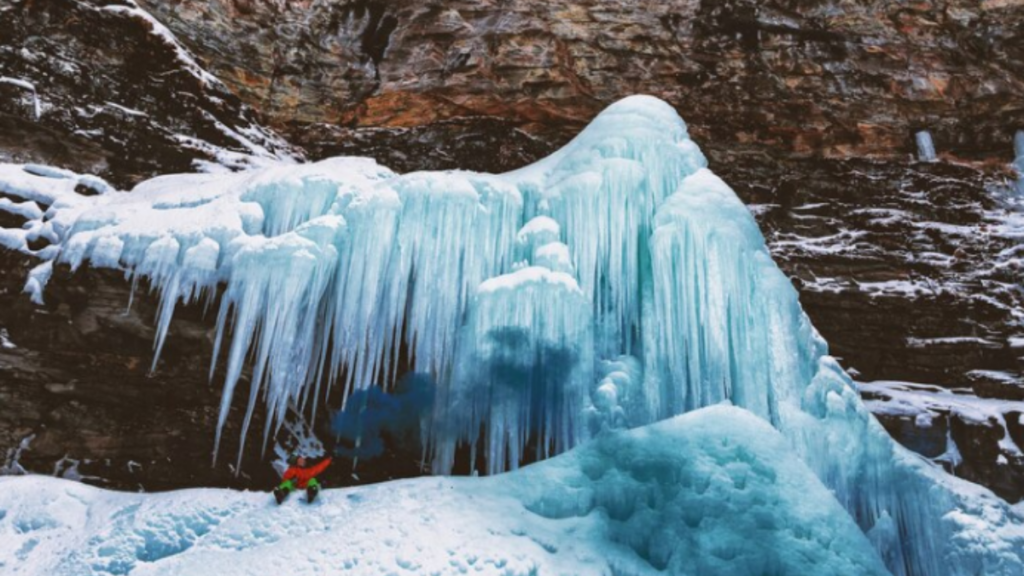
(289, 485)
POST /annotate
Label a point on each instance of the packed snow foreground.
(714, 492)
(617, 283)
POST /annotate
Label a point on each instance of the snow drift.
(616, 283)
(716, 492)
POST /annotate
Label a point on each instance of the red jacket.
(302, 476)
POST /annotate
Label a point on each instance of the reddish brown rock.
(822, 78)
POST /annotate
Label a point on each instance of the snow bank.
(715, 492)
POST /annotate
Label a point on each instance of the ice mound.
(716, 492)
(616, 283)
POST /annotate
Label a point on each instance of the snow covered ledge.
(328, 267)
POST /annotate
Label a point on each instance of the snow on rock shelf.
(714, 492)
(668, 302)
(972, 437)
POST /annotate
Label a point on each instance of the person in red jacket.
(299, 477)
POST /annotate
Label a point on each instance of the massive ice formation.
(715, 492)
(617, 282)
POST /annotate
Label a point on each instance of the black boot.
(311, 492)
(280, 494)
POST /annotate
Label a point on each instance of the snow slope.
(714, 492)
(616, 283)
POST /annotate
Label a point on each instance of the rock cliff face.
(808, 108)
(910, 270)
(100, 87)
(76, 388)
(833, 78)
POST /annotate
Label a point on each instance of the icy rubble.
(716, 492)
(11, 464)
(668, 302)
(5, 340)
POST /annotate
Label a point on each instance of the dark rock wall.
(78, 382)
(900, 265)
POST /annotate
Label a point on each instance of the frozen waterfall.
(925, 146)
(617, 282)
